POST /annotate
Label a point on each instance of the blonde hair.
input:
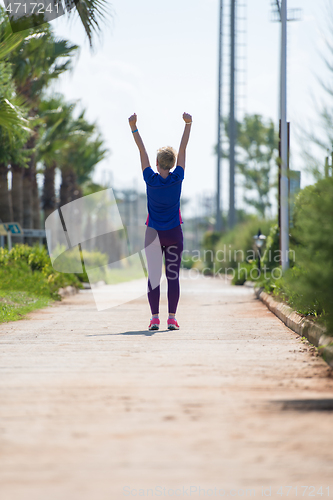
(166, 157)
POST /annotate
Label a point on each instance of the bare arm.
(137, 137)
(183, 143)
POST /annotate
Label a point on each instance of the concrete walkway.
(95, 407)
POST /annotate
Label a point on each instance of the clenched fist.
(187, 118)
(132, 119)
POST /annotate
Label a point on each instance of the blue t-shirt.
(163, 196)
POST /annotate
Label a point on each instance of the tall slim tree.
(12, 139)
(11, 115)
(257, 151)
(70, 144)
(37, 61)
(258, 148)
(57, 116)
(82, 153)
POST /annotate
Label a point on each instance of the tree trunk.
(17, 193)
(67, 188)
(87, 233)
(49, 197)
(70, 192)
(6, 211)
(27, 198)
(28, 188)
(35, 200)
(17, 197)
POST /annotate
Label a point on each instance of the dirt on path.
(95, 407)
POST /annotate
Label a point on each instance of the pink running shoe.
(172, 324)
(154, 324)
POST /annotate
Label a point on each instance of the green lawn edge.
(15, 305)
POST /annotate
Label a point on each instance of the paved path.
(95, 407)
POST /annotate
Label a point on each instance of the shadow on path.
(146, 333)
(306, 404)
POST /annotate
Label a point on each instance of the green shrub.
(68, 259)
(246, 271)
(93, 259)
(310, 282)
(271, 253)
(187, 262)
(237, 245)
(26, 268)
(307, 285)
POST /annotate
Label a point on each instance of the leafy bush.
(271, 253)
(26, 268)
(71, 259)
(311, 279)
(236, 245)
(246, 271)
(283, 288)
(93, 259)
(187, 262)
(308, 285)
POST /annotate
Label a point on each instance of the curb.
(315, 334)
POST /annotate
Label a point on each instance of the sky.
(159, 59)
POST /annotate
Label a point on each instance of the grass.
(20, 277)
(22, 291)
(14, 305)
(133, 272)
(28, 281)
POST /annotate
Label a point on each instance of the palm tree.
(10, 149)
(35, 64)
(71, 144)
(82, 153)
(13, 135)
(90, 12)
(54, 136)
(32, 75)
(11, 113)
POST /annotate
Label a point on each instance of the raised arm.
(183, 143)
(137, 137)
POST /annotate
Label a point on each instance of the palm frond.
(10, 115)
(91, 13)
(10, 43)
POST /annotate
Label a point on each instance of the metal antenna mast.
(284, 183)
(232, 123)
(284, 178)
(218, 224)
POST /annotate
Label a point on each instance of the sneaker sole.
(172, 328)
(154, 327)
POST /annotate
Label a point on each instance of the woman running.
(164, 219)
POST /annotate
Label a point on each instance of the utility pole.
(232, 124)
(282, 15)
(284, 183)
(218, 223)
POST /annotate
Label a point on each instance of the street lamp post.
(232, 121)
(284, 142)
(218, 222)
(259, 240)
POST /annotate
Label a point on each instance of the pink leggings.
(169, 242)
